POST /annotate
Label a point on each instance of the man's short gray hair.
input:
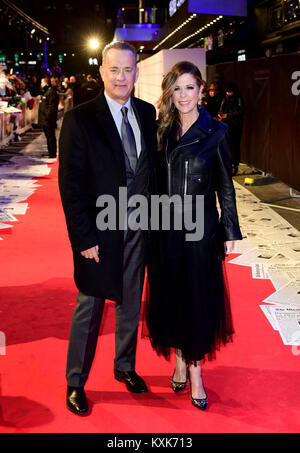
(120, 45)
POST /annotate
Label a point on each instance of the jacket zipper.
(169, 161)
(169, 168)
(186, 169)
(187, 144)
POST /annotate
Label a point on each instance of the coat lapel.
(110, 131)
(201, 129)
(142, 122)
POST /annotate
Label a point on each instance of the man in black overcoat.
(47, 115)
(99, 154)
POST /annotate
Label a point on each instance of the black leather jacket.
(200, 164)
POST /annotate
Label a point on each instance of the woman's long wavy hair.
(168, 114)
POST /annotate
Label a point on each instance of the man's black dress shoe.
(133, 381)
(76, 400)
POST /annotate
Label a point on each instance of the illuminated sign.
(241, 55)
(174, 5)
(208, 42)
(228, 7)
(93, 61)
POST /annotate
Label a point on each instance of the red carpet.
(253, 386)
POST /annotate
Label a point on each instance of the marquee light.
(197, 32)
(192, 17)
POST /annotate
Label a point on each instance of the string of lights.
(16, 14)
(197, 32)
(192, 17)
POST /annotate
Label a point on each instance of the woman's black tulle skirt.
(188, 305)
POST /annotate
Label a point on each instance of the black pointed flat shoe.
(76, 400)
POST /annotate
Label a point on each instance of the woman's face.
(186, 94)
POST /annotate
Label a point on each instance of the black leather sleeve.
(226, 192)
(73, 174)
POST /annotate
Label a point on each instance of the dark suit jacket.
(91, 163)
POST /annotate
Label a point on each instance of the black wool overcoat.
(91, 163)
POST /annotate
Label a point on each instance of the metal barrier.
(17, 122)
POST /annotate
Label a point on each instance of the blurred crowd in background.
(73, 89)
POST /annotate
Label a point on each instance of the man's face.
(119, 74)
(44, 83)
(72, 79)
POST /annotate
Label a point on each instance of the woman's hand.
(92, 253)
(229, 246)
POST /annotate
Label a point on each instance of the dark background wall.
(271, 134)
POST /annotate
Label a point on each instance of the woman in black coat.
(189, 308)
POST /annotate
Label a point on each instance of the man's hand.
(229, 246)
(91, 253)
